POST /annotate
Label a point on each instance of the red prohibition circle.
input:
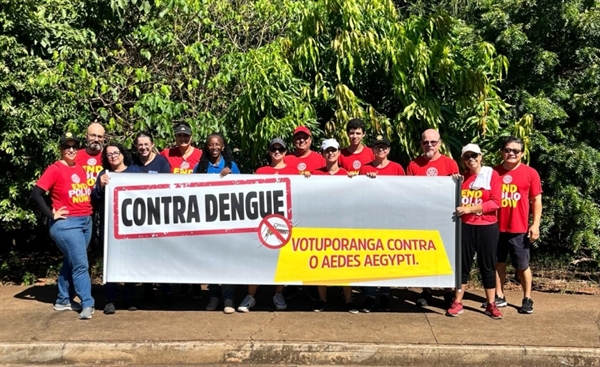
(267, 229)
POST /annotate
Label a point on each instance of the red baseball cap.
(302, 129)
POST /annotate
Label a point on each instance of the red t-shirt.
(352, 162)
(178, 163)
(309, 163)
(92, 165)
(392, 169)
(518, 187)
(268, 170)
(68, 188)
(490, 200)
(323, 171)
(421, 166)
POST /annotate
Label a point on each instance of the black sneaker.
(320, 306)
(384, 303)
(500, 302)
(448, 299)
(527, 306)
(368, 304)
(289, 292)
(130, 306)
(350, 307)
(109, 309)
(424, 299)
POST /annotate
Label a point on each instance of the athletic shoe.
(492, 311)
(109, 308)
(229, 307)
(279, 302)
(455, 309)
(290, 291)
(368, 304)
(212, 304)
(500, 302)
(320, 306)
(247, 304)
(131, 306)
(67, 307)
(448, 299)
(86, 313)
(351, 308)
(424, 299)
(384, 303)
(526, 306)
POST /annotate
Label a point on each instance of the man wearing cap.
(90, 158)
(357, 154)
(183, 157)
(521, 192)
(381, 165)
(303, 158)
(432, 163)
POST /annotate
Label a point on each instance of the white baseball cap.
(330, 143)
(471, 148)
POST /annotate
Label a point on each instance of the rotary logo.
(432, 171)
(75, 178)
(185, 165)
(301, 166)
(92, 162)
(356, 164)
(507, 179)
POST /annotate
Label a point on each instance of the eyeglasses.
(467, 156)
(275, 150)
(514, 151)
(67, 147)
(433, 143)
(330, 150)
(113, 154)
(95, 136)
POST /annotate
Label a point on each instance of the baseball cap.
(471, 148)
(68, 137)
(380, 140)
(330, 143)
(278, 141)
(183, 129)
(302, 129)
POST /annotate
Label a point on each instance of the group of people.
(495, 209)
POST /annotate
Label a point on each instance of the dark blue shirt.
(159, 164)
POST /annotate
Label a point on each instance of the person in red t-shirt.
(381, 165)
(90, 158)
(354, 156)
(304, 159)
(432, 163)
(184, 157)
(330, 149)
(70, 224)
(521, 188)
(277, 150)
(480, 200)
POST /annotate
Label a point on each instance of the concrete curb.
(265, 353)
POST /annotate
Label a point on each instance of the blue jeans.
(228, 291)
(72, 236)
(372, 291)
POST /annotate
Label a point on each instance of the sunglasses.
(380, 147)
(275, 150)
(433, 143)
(330, 150)
(514, 151)
(67, 147)
(467, 156)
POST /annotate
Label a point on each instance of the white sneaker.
(247, 304)
(212, 304)
(229, 306)
(279, 302)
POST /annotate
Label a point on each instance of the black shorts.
(517, 244)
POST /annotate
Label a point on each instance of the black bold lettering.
(153, 210)
(126, 221)
(211, 208)
(139, 212)
(193, 213)
(265, 208)
(223, 207)
(178, 209)
(251, 205)
(278, 203)
(166, 200)
(237, 206)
